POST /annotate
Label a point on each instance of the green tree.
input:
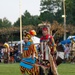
(50, 10)
(0, 23)
(47, 16)
(35, 20)
(73, 12)
(50, 5)
(6, 23)
(17, 23)
(70, 8)
(58, 16)
(27, 19)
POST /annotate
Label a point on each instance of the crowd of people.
(9, 54)
(69, 52)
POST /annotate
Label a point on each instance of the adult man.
(47, 50)
(48, 39)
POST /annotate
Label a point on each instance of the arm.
(34, 51)
(52, 45)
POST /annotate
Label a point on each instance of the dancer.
(27, 64)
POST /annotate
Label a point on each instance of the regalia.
(28, 59)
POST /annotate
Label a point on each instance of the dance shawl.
(28, 51)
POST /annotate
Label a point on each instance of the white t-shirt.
(35, 40)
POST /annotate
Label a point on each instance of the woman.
(27, 66)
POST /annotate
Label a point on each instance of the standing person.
(15, 53)
(6, 52)
(48, 38)
(67, 52)
(11, 55)
(27, 66)
(1, 50)
(47, 50)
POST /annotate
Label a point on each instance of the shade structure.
(68, 41)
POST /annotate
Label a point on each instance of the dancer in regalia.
(27, 64)
(48, 39)
(48, 51)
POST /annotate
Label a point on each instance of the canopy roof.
(68, 41)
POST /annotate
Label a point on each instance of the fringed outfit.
(50, 42)
(48, 49)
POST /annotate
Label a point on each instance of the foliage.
(70, 9)
(71, 29)
(55, 7)
(5, 23)
(58, 16)
(0, 22)
(27, 19)
(13, 33)
(17, 23)
(50, 10)
(47, 16)
(50, 5)
(58, 28)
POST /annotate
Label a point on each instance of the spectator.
(6, 51)
(11, 55)
(15, 53)
(67, 51)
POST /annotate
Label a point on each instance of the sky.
(11, 8)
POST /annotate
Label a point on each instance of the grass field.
(13, 69)
(66, 69)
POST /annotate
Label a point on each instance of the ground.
(13, 69)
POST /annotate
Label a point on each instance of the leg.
(50, 72)
(22, 69)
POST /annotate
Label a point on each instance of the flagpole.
(21, 25)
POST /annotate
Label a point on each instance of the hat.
(27, 35)
(44, 29)
(25, 32)
(6, 45)
(32, 32)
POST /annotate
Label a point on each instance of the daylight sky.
(11, 8)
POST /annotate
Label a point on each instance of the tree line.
(50, 10)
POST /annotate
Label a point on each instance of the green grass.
(66, 69)
(13, 69)
(9, 69)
